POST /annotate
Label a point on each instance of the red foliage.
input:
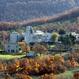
(76, 75)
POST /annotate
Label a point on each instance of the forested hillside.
(18, 10)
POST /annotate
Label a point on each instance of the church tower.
(28, 34)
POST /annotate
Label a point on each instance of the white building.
(75, 35)
(12, 45)
(30, 36)
(36, 36)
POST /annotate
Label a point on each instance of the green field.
(8, 57)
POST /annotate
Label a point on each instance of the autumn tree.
(76, 75)
(59, 58)
(38, 48)
(22, 76)
(5, 36)
(7, 76)
(55, 37)
(1, 66)
(48, 76)
(25, 47)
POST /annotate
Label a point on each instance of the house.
(12, 45)
(76, 35)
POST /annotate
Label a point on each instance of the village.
(39, 39)
(52, 41)
(38, 54)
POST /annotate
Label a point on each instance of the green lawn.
(66, 75)
(8, 57)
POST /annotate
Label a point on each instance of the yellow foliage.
(57, 57)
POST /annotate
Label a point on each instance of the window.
(19, 48)
(12, 51)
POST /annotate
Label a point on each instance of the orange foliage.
(39, 66)
(24, 46)
(46, 76)
(38, 48)
(1, 67)
(76, 75)
(22, 76)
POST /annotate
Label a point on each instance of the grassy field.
(8, 57)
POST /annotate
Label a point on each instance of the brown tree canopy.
(25, 47)
(38, 48)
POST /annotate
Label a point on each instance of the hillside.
(18, 10)
(67, 15)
